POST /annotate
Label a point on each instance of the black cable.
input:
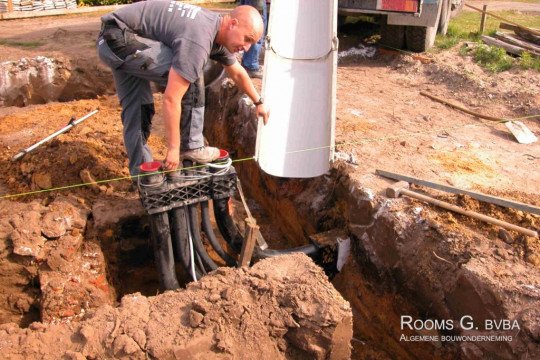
(207, 229)
(193, 217)
(310, 250)
(232, 235)
(226, 225)
(163, 252)
(180, 238)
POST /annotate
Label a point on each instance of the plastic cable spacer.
(151, 166)
(223, 155)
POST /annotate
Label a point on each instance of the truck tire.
(444, 19)
(392, 36)
(421, 38)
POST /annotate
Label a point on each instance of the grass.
(468, 22)
(493, 58)
(527, 61)
(465, 27)
(23, 44)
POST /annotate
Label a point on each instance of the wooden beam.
(10, 5)
(512, 49)
(453, 190)
(250, 239)
(512, 39)
(521, 33)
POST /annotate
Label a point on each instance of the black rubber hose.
(226, 225)
(163, 252)
(180, 238)
(196, 236)
(207, 229)
(200, 264)
(310, 250)
(232, 235)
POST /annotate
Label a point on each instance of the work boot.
(255, 74)
(202, 155)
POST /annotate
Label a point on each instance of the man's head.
(240, 29)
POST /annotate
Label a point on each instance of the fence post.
(483, 19)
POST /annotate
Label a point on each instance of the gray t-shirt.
(187, 29)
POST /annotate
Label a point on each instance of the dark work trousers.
(133, 68)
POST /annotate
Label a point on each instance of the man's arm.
(242, 80)
(172, 109)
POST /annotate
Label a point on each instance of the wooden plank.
(453, 190)
(507, 26)
(512, 49)
(512, 39)
(250, 239)
(521, 33)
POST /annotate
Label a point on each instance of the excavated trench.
(403, 264)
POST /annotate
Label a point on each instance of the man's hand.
(263, 112)
(172, 159)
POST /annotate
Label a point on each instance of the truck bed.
(380, 6)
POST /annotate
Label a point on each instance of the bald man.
(169, 42)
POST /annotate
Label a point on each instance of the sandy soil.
(531, 6)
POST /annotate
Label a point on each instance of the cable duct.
(172, 202)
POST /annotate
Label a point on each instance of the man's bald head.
(250, 17)
(240, 29)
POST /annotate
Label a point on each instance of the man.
(169, 42)
(250, 60)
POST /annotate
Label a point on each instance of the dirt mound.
(91, 151)
(42, 79)
(282, 307)
(509, 93)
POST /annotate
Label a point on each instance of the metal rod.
(61, 131)
(469, 213)
(475, 195)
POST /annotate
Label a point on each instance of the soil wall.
(413, 265)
